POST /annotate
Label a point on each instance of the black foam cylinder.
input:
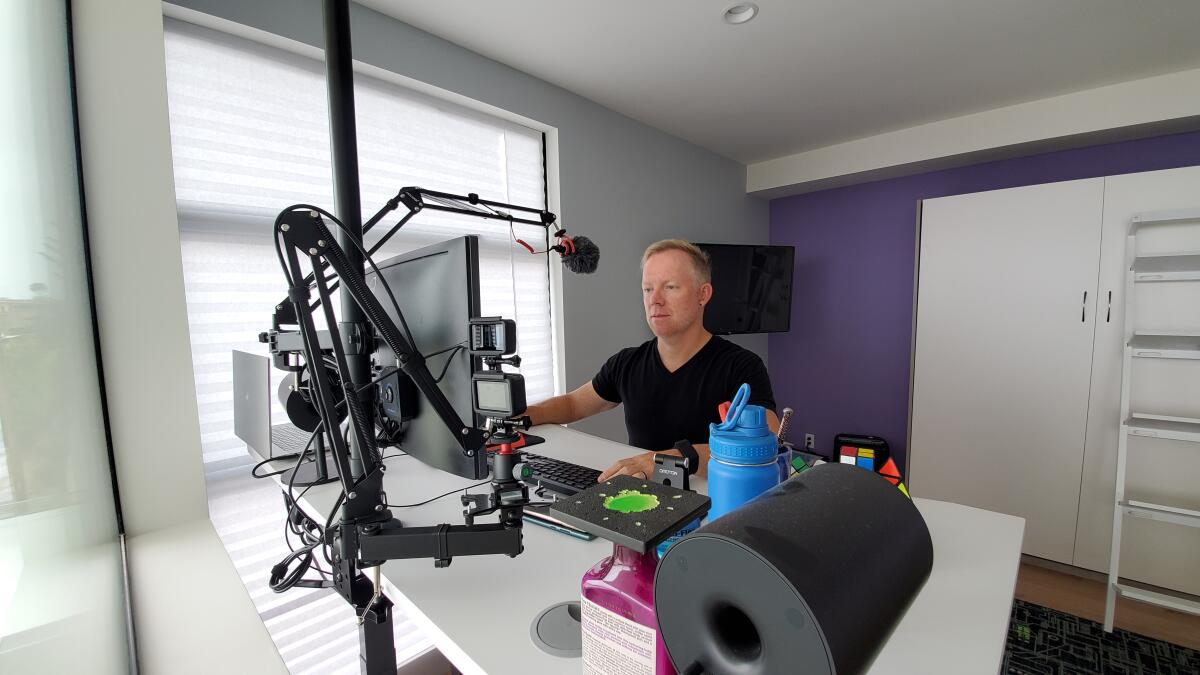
(808, 578)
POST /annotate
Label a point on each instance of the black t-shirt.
(662, 408)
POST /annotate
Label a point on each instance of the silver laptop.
(252, 410)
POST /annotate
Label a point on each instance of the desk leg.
(376, 647)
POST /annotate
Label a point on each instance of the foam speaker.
(810, 577)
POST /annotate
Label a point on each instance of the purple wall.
(844, 367)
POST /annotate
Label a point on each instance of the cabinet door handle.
(1108, 314)
(1083, 310)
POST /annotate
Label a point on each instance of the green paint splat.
(1024, 633)
(630, 501)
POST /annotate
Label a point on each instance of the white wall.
(1150, 106)
(135, 255)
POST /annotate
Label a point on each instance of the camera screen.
(493, 395)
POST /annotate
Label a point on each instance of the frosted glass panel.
(61, 587)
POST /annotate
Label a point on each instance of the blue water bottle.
(743, 454)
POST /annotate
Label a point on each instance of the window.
(249, 133)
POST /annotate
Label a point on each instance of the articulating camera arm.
(372, 534)
(367, 534)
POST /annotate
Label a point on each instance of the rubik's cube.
(864, 457)
(892, 474)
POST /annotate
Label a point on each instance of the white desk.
(478, 610)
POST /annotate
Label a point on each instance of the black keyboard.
(561, 477)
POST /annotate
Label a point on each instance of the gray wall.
(622, 183)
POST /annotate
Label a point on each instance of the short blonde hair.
(700, 261)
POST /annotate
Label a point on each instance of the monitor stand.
(309, 473)
(317, 472)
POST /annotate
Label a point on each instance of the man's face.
(672, 293)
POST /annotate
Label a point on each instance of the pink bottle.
(619, 623)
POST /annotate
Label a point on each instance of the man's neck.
(676, 350)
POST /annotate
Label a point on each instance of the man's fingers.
(630, 466)
(611, 471)
(621, 467)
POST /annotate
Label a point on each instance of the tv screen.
(752, 289)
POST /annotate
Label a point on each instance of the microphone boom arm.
(417, 199)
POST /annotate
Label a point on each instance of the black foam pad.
(669, 509)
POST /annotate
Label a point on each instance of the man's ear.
(706, 291)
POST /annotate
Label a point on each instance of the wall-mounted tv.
(752, 289)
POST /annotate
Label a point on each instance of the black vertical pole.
(339, 68)
(377, 649)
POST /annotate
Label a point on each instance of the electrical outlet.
(810, 441)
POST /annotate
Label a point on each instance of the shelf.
(1165, 217)
(1165, 345)
(1161, 599)
(1162, 426)
(1176, 266)
(1168, 514)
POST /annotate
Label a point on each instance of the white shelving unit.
(1143, 268)
(1180, 266)
(1165, 345)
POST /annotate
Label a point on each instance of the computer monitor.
(437, 288)
(752, 289)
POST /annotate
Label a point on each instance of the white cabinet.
(1017, 379)
(1006, 311)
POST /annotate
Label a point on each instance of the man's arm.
(579, 404)
(642, 466)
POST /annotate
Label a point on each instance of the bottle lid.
(743, 438)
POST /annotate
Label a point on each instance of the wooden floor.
(1084, 597)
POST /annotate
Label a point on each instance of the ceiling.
(810, 73)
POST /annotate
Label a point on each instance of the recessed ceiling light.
(741, 13)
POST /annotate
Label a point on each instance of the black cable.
(434, 499)
(281, 458)
(289, 527)
(449, 360)
(454, 347)
(281, 579)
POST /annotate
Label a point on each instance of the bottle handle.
(740, 399)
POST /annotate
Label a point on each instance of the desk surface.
(478, 610)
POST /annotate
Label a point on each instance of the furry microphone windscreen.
(586, 257)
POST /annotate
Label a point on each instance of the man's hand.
(638, 466)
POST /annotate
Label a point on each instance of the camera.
(495, 393)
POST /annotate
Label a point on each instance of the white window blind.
(250, 136)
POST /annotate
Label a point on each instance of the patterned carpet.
(1044, 641)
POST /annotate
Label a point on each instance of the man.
(670, 385)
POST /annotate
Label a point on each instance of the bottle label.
(614, 645)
